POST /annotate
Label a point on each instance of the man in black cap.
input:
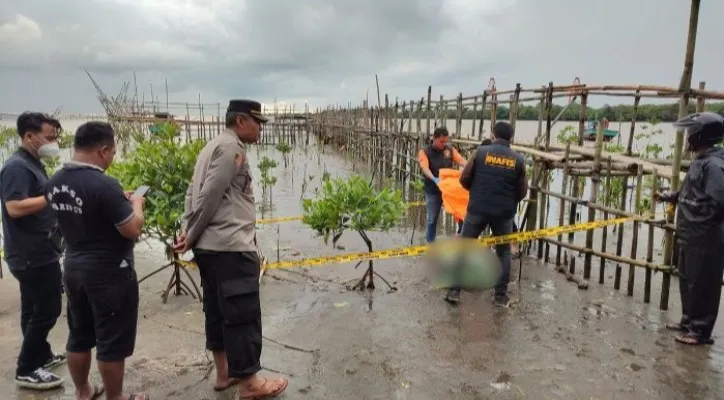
(218, 225)
(700, 228)
(495, 177)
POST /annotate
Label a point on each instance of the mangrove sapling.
(284, 148)
(165, 164)
(354, 204)
(267, 179)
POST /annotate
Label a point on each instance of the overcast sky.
(328, 51)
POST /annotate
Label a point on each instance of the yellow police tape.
(267, 221)
(413, 251)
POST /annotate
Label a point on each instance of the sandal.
(135, 396)
(281, 385)
(677, 327)
(232, 382)
(693, 339)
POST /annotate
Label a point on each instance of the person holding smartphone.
(100, 224)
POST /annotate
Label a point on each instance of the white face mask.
(49, 150)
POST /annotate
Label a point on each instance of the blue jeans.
(433, 203)
(474, 225)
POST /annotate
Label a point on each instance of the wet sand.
(558, 343)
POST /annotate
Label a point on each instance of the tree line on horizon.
(621, 112)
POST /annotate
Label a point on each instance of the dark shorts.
(232, 308)
(102, 312)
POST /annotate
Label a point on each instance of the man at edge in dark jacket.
(700, 229)
(495, 177)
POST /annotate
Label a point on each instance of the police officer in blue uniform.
(495, 178)
(700, 228)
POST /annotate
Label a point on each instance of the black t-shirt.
(90, 205)
(26, 240)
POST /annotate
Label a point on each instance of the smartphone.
(141, 191)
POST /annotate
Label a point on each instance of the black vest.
(437, 159)
(494, 190)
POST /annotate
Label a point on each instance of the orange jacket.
(454, 196)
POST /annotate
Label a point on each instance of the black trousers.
(232, 308)
(474, 226)
(700, 278)
(40, 307)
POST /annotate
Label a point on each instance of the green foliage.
(167, 167)
(284, 148)
(265, 166)
(353, 204)
(417, 185)
(8, 137)
(567, 135)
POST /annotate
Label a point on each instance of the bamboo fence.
(387, 138)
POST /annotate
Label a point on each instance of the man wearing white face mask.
(27, 222)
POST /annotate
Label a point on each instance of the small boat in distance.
(155, 128)
(590, 131)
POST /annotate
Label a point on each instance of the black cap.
(251, 107)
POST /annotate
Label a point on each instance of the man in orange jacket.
(439, 154)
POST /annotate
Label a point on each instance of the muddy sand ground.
(558, 343)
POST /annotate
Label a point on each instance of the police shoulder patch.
(239, 159)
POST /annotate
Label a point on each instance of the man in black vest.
(439, 154)
(495, 177)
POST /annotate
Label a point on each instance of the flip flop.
(676, 327)
(693, 340)
(232, 382)
(97, 392)
(268, 395)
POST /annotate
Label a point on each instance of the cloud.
(20, 31)
(328, 52)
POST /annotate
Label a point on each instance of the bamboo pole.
(650, 244)
(596, 180)
(635, 236)
(604, 236)
(482, 116)
(684, 86)
(562, 203)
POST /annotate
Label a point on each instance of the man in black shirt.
(27, 224)
(100, 224)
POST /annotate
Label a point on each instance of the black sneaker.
(453, 296)
(39, 379)
(502, 300)
(57, 359)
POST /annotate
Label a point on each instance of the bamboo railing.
(387, 138)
